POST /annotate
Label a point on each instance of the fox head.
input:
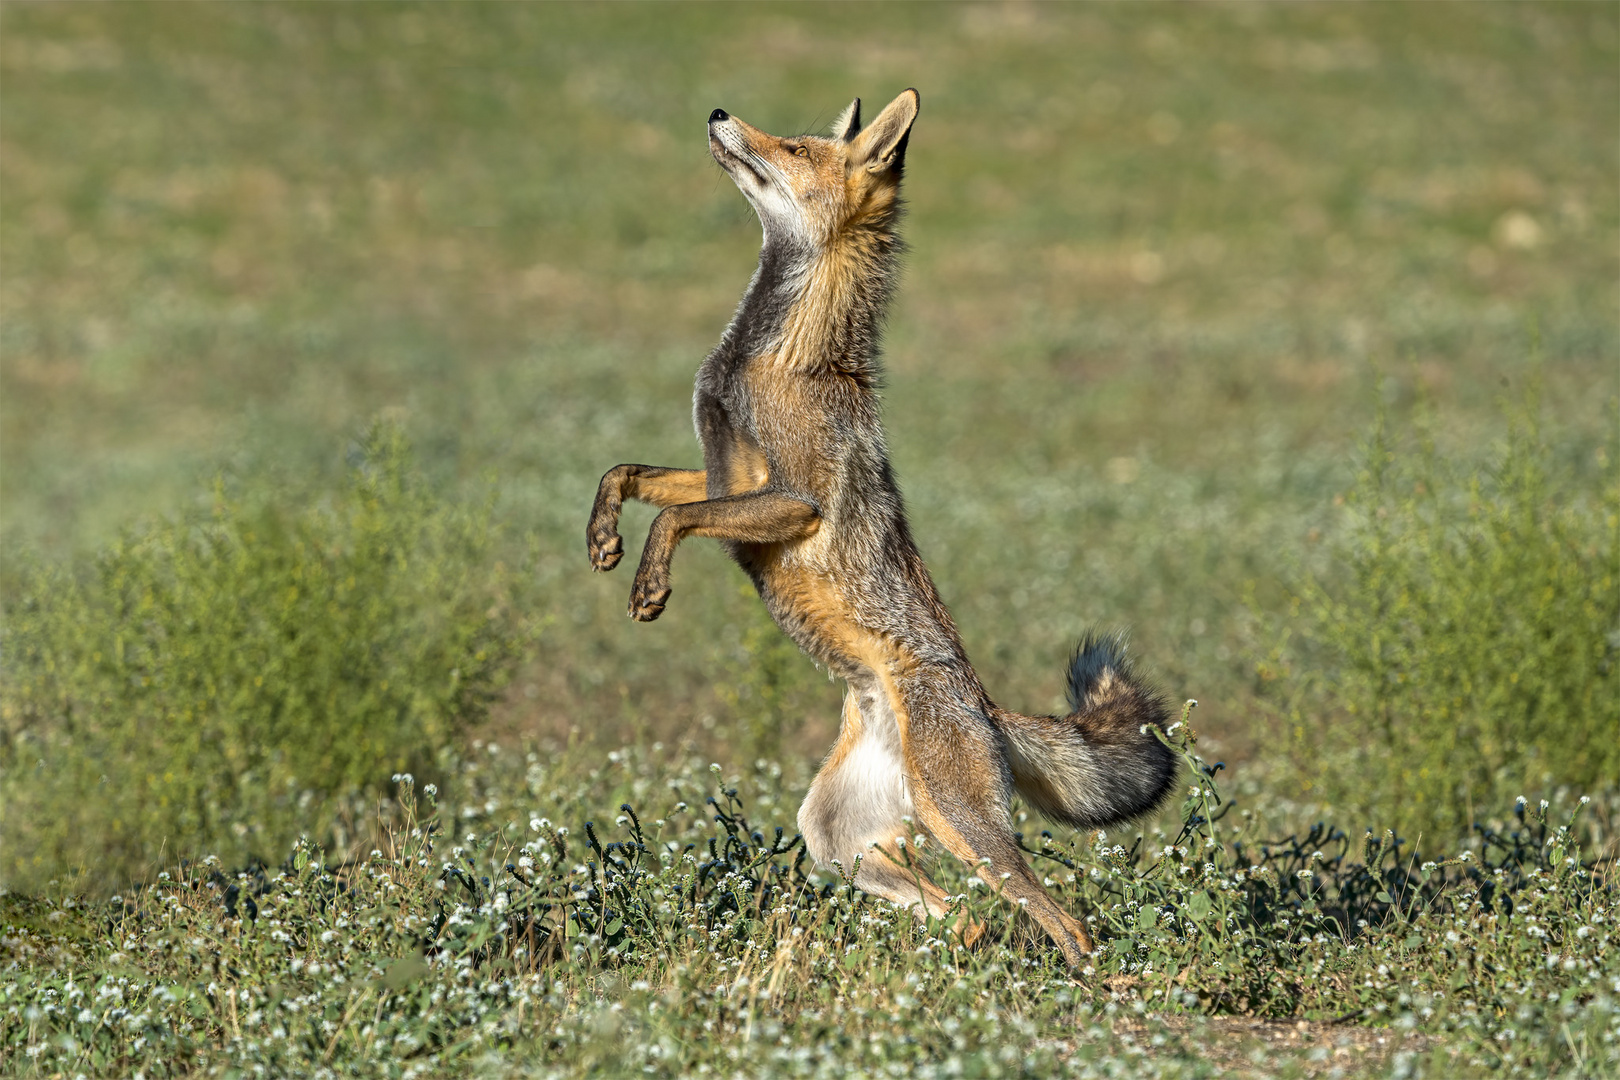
(807, 189)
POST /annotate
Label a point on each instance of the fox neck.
(828, 301)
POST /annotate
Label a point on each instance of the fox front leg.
(759, 517)
(650, 483)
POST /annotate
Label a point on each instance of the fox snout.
(729, 146)
(734, 143)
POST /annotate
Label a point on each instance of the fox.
(797, 487)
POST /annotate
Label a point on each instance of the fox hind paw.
(971, 931)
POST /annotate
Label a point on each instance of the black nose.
(718, 114)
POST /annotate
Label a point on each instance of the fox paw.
(647, 600)
(606, 548)
(971, 931)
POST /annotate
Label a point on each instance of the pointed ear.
(848, 124)
(882, 145)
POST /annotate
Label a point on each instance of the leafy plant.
(1464, 645)
(227, 681)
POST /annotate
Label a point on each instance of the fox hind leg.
(962, 792)
(859, 806)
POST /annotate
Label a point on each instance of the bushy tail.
(1096, 766)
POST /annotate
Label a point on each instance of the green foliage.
(766, 685)
(1465, 645)
(503, 932)
(228, 680)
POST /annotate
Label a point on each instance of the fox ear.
(848, 124)
(882, 146)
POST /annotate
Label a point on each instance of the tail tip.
(1099, 660)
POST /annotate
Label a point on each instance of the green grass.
(1169, 266)
(244, 233)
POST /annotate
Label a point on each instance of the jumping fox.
(797, 488)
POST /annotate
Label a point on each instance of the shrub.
(228, 680)
(1464, 646)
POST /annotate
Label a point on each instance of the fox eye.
(802, 151)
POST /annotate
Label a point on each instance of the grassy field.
(1288, 337)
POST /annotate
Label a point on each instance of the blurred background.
(1169, 268)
